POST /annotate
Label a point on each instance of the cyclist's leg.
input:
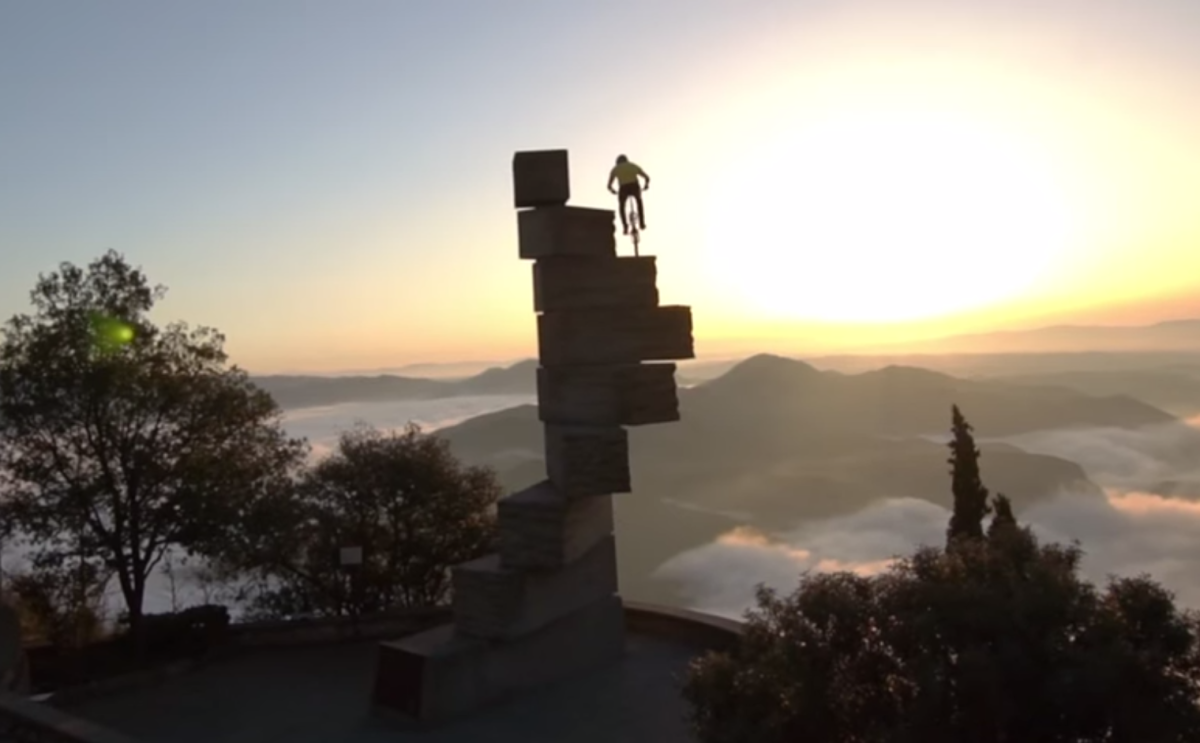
(622, 200)
(637, 195)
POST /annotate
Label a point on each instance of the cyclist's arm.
(612, 178)
(646, 177)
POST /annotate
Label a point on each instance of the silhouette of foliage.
(120, 439)
(970, 496)
(401, 497)
(61, 603)
(992, 639)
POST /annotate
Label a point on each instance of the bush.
(403, 498)
(994, 640)
(190, 633)
(60, 604)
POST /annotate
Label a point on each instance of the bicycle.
(634, 219)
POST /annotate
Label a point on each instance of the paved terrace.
(311, 693)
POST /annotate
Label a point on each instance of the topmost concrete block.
(541, 178)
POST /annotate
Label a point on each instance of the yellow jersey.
(626, 173)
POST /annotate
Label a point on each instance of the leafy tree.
(970, 496)
(402, 498)
(61, 603)
(993, 639)
(120, 439)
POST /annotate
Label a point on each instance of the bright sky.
(329, 183)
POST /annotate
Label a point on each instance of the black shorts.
(629, 189)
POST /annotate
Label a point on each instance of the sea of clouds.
(1127, 532)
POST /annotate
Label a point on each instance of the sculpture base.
(440, 675)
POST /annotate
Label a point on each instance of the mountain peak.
(765, 371)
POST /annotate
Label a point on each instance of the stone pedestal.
(589, 282)
(440, 674)
(587, 460)
(566, 231)
(611, 395)
(541, 178)
(545, 606)
(615, 336)
(497, 602)
(540, 529)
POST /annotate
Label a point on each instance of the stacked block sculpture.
(546, 605)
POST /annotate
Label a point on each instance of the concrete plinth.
(615, 336)
(495, 602)
(585, 461)
(566, 231)
(615, 395)
(540, 529)
(541, 178)
(589, 282)
(438, 675)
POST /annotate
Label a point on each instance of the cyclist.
(626, 175)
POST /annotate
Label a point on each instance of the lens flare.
(110, 333)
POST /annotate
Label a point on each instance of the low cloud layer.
(1127, 532)
(322, 426)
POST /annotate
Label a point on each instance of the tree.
(402, 498)
(991, 640)
(970, 496)
(119, 439)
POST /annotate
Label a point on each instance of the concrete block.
(566, 231)
(541, 178)
(438, 675)
(584, 461)
(540, 529)
(613, 395)
(615, 336)
(592, 282)
(495, 602)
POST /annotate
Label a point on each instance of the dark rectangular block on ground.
(613, 395)
(615, 336)
(584, 461)
(495, 602)
(566, 231)
(540, 529)
(438, 675)
(583, 282)
(541, 178)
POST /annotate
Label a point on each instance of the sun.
(887, 216)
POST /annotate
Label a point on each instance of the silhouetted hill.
(296, 391)
(1176, 391)
(767, 391)
(775, 442)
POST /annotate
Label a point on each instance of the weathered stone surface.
(541, 178)
(495, 602)
(566, 231)
(540, 529)
(437, 675)
(588, 282)
(583, 461)
(613, 395)
(615, 336)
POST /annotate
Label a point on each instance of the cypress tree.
(970, 496)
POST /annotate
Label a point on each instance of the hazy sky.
(329, 182)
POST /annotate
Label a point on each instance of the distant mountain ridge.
(298, 391)
(1171, 335)
(785, 443)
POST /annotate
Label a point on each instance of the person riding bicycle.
(626, 175)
